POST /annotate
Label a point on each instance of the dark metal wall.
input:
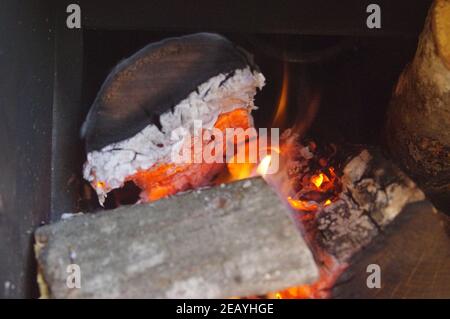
(68, 115)
(320, 17)
(26, 98)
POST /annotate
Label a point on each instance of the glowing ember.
(317, 180)
(302, 205)
(101, 185)
(170, 178)
(239, 170)
(312, 191)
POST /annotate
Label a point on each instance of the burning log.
(358, 193)
(147, 108)
(231, 240)
(418, 120)
(374, 192)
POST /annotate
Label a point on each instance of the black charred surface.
(153, 81)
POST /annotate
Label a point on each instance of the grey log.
(231, 240)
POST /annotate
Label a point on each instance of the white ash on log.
(231, 240)
(361, 193)
(418, 119)
(146, 108)
(374, 193)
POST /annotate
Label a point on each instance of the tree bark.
(418, 119)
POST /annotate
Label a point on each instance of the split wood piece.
(231, 240)
(413, 255)
(374, 193)
(418, 119)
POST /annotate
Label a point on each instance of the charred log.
(148, 105)
(155, 79)
(361, 193)
(374, 193)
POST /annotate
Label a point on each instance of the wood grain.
(413, 253)
(235, 240)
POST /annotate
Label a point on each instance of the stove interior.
(329, 93)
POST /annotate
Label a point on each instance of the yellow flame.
(280, 115)
(301, 205)
(317, 180)
(100, 184)
(240, 171)
(264, 165)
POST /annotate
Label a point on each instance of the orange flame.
(280, 116)
(317, 180)
(241, 170)
(302, 205)
(100, 184)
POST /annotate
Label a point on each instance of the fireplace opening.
(362, 172)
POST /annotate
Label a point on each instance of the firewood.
(374, 193)
(231, 240)
(377, 216)
(147, 107)
(370, 191)
(418, 119)
(413, 255)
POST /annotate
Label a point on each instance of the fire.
(323, 182)
(264, 165)
(302, 205)
(280, 116)
(100, 184)
(239, 170)
(167, 179)
(319, 179)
